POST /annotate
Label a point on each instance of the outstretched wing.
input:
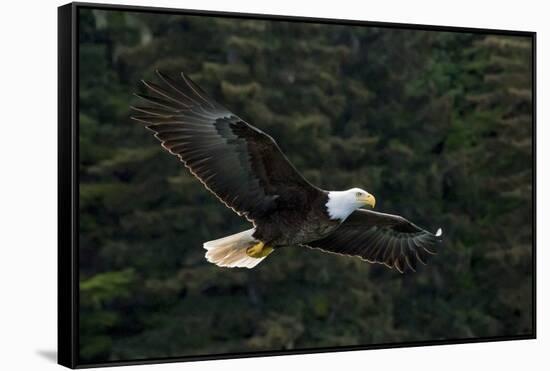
(239, 163)
(381, 238)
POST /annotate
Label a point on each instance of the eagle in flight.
(247, 171)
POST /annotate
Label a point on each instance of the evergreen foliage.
(437, 125)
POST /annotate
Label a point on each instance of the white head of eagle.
(342, 203)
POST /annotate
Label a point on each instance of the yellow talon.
(259, 250)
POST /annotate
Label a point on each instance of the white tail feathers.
(230, 251)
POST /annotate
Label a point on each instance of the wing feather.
(381, 238)
(240, 164)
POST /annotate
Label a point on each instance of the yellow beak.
(368, 200)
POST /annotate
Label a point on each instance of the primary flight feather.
(247, 171)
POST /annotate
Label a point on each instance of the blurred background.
(437, 125)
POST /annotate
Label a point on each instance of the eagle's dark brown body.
(296, 221)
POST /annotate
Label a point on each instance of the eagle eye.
(358, 194)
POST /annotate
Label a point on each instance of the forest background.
(438, 125)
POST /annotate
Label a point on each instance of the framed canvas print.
(236, 185)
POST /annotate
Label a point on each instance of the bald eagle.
(247, 171)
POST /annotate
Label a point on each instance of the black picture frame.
(68, 197)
